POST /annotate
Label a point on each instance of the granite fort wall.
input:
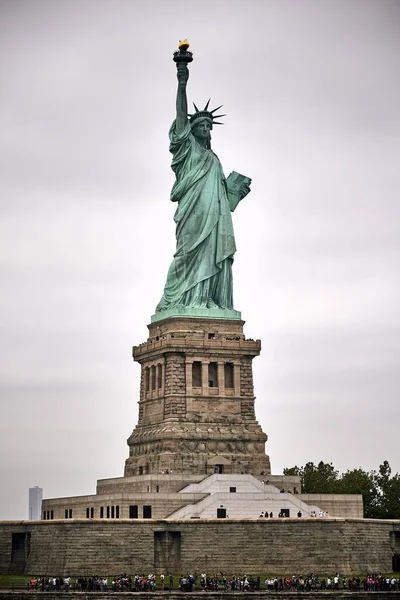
(252, 546)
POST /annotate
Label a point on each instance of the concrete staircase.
(242, 496)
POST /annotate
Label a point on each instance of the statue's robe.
(201, 271)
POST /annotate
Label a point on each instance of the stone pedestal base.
(196, 408)
(197, 313)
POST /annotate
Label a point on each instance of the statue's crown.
(205, 113)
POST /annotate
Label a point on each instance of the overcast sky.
(87, 95)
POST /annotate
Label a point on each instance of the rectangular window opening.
(213, 374)
(159, 377)
(146, 512)
(228, 372)
(196, 374)
(133, 511)
(20, 548)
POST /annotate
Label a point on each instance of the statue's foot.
(211, 303)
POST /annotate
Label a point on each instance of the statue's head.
(201, 128)
(202, 121)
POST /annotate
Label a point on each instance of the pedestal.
(196, 407)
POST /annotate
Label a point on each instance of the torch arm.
(181, 98)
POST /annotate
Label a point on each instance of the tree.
(316, 479)
(379, 489)
(358, 481)
(388, 488)
(391, 500)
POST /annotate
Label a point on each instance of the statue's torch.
(182, 55)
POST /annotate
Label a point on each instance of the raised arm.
(181, 99)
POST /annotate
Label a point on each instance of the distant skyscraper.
(35, 503)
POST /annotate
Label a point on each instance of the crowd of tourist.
(221, 582)
(120, 583)
(282, 514)
(312, 582)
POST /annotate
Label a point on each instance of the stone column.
(142, 384)
(221, 378)
(163, 378)
(189, 378)
(236, 377)
(204, 376)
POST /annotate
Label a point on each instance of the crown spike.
(209, 114)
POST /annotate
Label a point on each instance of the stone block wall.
(345, 505)
(117, 505)
(246, 377)
(175, 382)
(132, 485)
(253, 546)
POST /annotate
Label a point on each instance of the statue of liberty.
(200, 275)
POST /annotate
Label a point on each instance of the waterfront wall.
(253, 546)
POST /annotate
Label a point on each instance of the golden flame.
(183, 45)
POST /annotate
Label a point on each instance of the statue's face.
(202, 130)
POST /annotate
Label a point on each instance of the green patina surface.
(200, 313)
(199, 280)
